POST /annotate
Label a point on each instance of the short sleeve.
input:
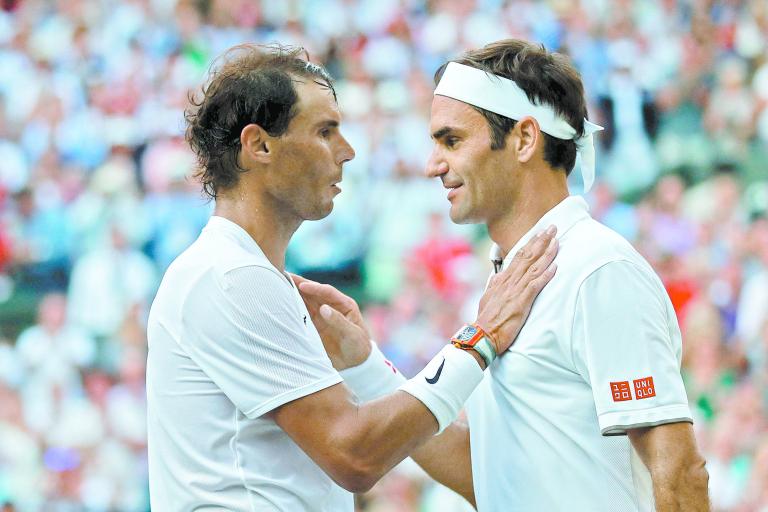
(249, 332)
(627, 346)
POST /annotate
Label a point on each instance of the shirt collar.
(217, 223)
(564, 216)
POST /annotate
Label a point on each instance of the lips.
(452, 190)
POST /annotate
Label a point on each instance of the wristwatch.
(473, 337)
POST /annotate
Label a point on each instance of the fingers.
(319, 291)
(538, 282)
(544, 261)
(345, 342)
(297, 279)
(507, 301)
(529, 255)
(536, 245)
(326, 294)
(333, 319)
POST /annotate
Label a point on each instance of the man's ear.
(529, 134)
(256, 144)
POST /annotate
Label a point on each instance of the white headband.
(504, 97)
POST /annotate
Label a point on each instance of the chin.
(461, 217)
(320, 213)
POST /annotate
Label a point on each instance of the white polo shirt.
(229, 341)
(599, 354)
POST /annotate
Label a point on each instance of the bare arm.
(447, 459)
(679, 477)
(356, 444)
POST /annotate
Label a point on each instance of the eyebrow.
(442, 132)
(328, 123)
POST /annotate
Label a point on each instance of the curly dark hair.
(546, 77)
(248, 84)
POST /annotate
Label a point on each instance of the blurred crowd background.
(96, 200)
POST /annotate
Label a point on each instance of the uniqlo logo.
(644, 388)
(621, 391)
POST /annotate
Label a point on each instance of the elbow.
(356, 475)
(694, 474)
(357, 462)
(691, 477)
(698, 476)
(357, 484)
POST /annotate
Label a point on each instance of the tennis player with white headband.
(502, 96)
(587, 410)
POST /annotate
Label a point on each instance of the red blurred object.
(9, 5)
(436, 258)
(6, 252)
(681, 291)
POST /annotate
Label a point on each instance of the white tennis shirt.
(599, 354)
(229, 341)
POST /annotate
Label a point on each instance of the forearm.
(451, 445)
(388, 429)
(683, 490)
(680, 479)
(381, 434)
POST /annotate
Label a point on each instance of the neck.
(262, 220)
(534, 198)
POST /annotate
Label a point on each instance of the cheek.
(302, 163)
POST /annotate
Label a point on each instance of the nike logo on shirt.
(437, 375)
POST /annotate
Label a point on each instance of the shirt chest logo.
(644, 388)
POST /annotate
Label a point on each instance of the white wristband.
(374, 378)
(446, 383)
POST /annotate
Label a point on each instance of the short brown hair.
(546, 77)
(248, 84)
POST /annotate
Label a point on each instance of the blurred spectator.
(107, 282)
(41, 241)
(54, 347)
(631, 120)
(619, 216)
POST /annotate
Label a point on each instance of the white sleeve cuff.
(374, 378)
(617, 423)
(446, 383)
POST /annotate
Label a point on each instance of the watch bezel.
(460, 337)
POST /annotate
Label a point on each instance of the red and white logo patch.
(621, 391)
(644, 388)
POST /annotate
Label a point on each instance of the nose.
(346, 152)
(436, 165)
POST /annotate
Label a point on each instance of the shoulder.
(217, 253)
(611, 272)
(590, 246)
(593, 258)
(214, 268)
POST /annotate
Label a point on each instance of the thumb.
(334, 319)
(326, 312)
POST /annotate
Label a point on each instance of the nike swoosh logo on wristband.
(437, 375)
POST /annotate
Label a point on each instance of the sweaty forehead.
(316, 102)
(454, 113)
